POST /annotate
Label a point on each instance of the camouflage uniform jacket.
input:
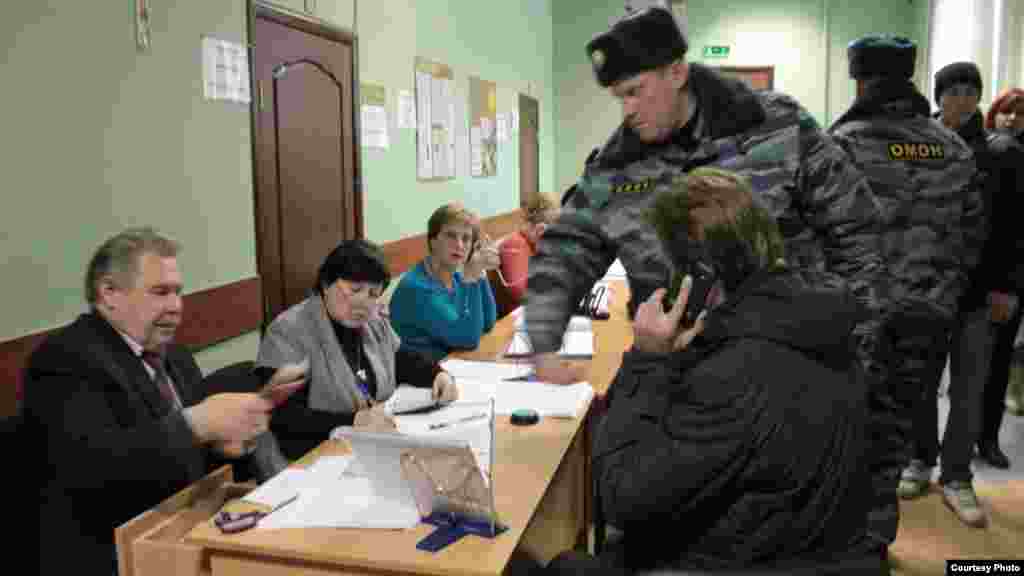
(824, 206)
(925, 177)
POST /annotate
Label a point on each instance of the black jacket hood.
(780, 307)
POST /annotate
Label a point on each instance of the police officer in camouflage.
(924, 176)
(676, 116)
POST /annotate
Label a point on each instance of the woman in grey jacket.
(355, 362)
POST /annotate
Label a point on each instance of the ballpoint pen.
(439, 425)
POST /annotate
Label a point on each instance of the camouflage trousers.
(909, 358)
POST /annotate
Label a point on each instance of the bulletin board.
(757, 77)
(435, 120)
(483, 129)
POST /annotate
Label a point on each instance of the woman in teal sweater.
(435, 308)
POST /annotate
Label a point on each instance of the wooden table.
(542, 492)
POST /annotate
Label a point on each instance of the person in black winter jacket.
(958, 89)
(745, 436)
(1002, 265)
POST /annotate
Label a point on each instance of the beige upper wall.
(98, 136)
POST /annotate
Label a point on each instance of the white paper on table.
(374, 124)
(406, 109)
(577, 340)
(485, 370)
(348, 502)
(283, 486)
(550, 400)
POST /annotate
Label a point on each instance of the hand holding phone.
(286, 381)
(703, 280)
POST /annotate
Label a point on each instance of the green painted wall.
(509, 43)
(97, 136)
(804, 39)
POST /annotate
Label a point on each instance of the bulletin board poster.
(483, 128)
(435, 120)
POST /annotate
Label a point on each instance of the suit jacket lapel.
(125, 367)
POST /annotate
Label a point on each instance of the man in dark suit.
(115, 408)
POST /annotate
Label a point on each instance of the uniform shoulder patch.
(916, 151)
(629, 186)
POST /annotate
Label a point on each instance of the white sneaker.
(962, 500)
(914, 480)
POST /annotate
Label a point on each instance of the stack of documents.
(577, 342)
(512, 388)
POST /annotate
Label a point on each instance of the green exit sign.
(716, 51)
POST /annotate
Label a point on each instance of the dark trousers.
(911, 355)
(970, 347)
(998, 380)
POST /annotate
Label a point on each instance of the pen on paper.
(440, 425)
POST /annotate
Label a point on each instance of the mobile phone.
(472, 250)
(703, 277)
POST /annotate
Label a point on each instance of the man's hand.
(484, 258)
(554, 370)
(1001, 307)
(375, 419)
(230, 418)
(657, 332)
(445, 390)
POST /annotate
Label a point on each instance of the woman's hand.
(484, 258)
(445, 390)
(375, 419)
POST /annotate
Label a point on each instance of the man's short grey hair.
(118, 258)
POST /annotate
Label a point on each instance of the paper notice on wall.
(373, 116)
(476, 153)
(406, 109)
(225, 71)
(502, 122)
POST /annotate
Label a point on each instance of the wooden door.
(304, 150)
(529, 148)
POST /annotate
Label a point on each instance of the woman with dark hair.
(355, 362)
(1002, 261)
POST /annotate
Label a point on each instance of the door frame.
(317, 27)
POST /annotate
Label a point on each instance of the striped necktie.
(155, 361)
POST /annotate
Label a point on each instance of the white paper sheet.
(225, 70)
(476, 151)
(349, 502)
(485, 370)
(501, 122)
(282, 487)
(374, 125)
(577, 341)
(406, 109)
(424, 131)
(550, 400)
